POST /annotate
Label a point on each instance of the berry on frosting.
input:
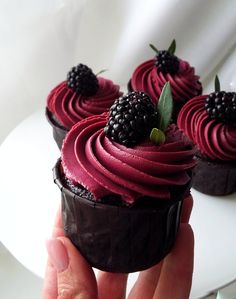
(166, 62)
(222, 106)
(131, 118)
(82, 80)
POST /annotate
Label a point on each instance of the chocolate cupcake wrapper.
(214, 178)
(118, 239)
(59, 132)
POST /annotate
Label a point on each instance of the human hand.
(69, 276)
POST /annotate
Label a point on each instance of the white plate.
(29, 201)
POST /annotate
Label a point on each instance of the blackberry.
(82, 80)
(131, 119)
(167, 62)
(222, 106)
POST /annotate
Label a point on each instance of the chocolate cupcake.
(83, 94)
(210, 122)
(151, 75)
(122, 191)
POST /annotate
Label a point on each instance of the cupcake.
(83, 94)
(122, 190)
(210, 122)
(151, 76)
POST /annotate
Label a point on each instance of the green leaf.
(217, 83)
(172, 47)
(102, 71)
(157, 136)
(154, 48)
(165, 107)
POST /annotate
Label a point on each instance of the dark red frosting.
(69, 107)
(105, 167)
(184, 84)
(214, 139)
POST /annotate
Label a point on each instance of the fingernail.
(58, 254)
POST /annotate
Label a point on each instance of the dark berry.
(131, 119)
(222, 106)
(82, 80)
(167, 62)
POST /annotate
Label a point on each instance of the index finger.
(176, 276)
(58, 230)
(187, 209)
(50, 278)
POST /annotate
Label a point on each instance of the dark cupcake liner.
(59, 132)
(214, 178)
(119, 238)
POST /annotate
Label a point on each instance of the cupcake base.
(214, 178)
(59, 132)
(119, 238)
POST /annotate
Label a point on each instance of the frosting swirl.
(184, 85)
(214, 139)
(105, 167)
(69, 107)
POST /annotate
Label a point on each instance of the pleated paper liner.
(59, 132)
(119, 238)
(214, 178)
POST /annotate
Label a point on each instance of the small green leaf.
(154, 48)
(217, 84)
(157, 136)
(165, 107)
(172, 47)
(102, 71)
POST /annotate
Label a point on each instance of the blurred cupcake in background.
(151, 76)
(83, 94)
(210, 122)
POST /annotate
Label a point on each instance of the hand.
(69, 276)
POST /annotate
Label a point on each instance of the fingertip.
(58, 230)
(176, 276)
(187, 229)
(58, 254)
(73, 253)
(187, 209)
(184, 246)
(79, 275)
(185, 234)
(77, 261)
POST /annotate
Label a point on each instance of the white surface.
(26, 217)
(16, 282)
(28, 197)
(213, 221)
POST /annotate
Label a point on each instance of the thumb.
(75, 278)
